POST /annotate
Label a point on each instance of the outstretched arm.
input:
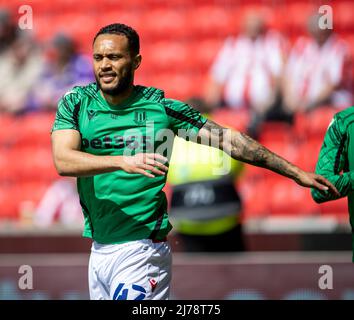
(242, 147)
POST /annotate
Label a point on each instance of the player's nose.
(106, 64)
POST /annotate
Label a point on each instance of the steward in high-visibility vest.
(205, 205)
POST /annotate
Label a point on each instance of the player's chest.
(120, 131)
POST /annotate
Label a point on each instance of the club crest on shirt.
(140, 116)
(91, 113)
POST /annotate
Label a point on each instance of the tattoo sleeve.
(243, 148)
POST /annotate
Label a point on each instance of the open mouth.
(108, 77)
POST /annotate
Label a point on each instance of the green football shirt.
(119, 206)
(336, 161)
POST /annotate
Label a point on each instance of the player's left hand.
(313, 180)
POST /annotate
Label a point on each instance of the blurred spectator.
(60, 204)
(247, 69)
(20, 68)
(64, 68)
(7, 31)
(318, 71)
(205, 206)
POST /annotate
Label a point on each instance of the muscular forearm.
(77, 163)
(241, 147)
(244, 148)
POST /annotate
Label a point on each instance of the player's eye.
(114, 56)
(97, 57)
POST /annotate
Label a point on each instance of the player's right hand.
(312, 180)
(142, 163)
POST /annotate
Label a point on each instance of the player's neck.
(117, 99)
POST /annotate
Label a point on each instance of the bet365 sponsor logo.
(119, 142)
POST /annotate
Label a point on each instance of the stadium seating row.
(27, 168)
(281, 197)
(177, 19)
(179, 41)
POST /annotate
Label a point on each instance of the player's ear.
(137, 61)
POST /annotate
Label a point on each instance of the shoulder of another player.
(345, 118)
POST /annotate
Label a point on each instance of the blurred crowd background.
(262, 67)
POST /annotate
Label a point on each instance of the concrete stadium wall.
(280, 275)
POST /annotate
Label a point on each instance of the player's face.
(113, 63)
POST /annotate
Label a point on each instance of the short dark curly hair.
(122, 29)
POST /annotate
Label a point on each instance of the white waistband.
(109, 248)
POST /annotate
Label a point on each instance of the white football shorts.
(135, 270)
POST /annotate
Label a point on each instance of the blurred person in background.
(247, 69)
(59, 205)
(20, 68)
(8, 31)
(336, 161)
(64, 68)
(205, 206)
(318, 71)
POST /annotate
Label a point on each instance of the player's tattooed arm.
(243, 148)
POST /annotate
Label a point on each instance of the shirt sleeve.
(333, 162)
(68, 112)
(183, 118)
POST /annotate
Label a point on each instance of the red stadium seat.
(32, 191)
(255, 199)
(6, 174)
(167, 56)
(32, 164)
(335, 207)
(130, 17)
(276, 131)
(165, 24)
(15, 198)
(35, 129)
(343, 16)
(286, 149)
(177, 85)
(252, 173)
(231, 118)
(211, 21)
(297, 15)
(9, 194)
(202, 53)
(288, 198)
(307, 153)
(349, 38)
(8, 203)
(9, 130)
(314, 124)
